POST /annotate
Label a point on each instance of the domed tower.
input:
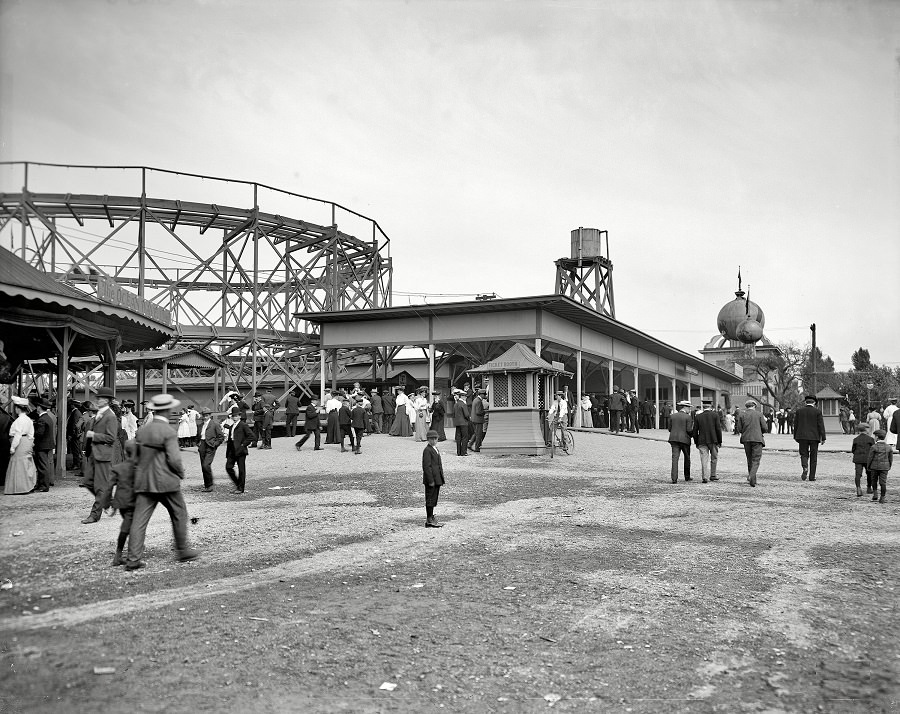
(740, 342)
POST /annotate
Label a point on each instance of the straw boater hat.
(683, 403)
(162, 402)
(20, 401)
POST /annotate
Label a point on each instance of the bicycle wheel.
(569, 443)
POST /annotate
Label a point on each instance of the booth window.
(519, 390)
(500, 390)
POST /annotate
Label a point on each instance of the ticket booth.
(830, 406)
(520, 387)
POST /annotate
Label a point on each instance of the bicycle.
(560, 438)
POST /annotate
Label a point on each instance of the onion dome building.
(739, 343)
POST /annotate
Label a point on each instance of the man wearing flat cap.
(210, 438)
(809, 432)
(680, 429)
(157, 480)
(104, 432)
(751, 425)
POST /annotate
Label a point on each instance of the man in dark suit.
(377, 411)
(210, 438)
(616, 405)
(461, 422)
(157, 480)
(102, 435)
(44, 444)
(311, 425)
(476, 416)
(682, 426)
(239, 440)
(291, 412)
(432, 477)
(708, 437)
(358, 420)
(390, 405)
(5, 441)
(809, 432)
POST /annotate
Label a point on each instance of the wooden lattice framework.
(233, 277)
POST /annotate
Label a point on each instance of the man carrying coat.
(157, 480)
(809, 432)
(751, 425)
(211, 437)
(104, 432)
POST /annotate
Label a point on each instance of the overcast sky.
(701, 135)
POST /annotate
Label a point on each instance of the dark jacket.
(344, 416)
(752, 425)
(106, 433)
(45, 432)
(707, 429)
(242, 437)
(477, 412)
(432, 468)
(681, 428)
(437, 409)
(616, 402)
(291, 404)
(860, 448)
(312, 418)
(894, 426)
(460, 413)
(881, 457)
(390, 404)
(358, 417)
(5, 423)
(122, 477)
(215, 439)
(809, 424)
(377, 406)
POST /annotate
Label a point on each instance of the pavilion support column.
(321, 374)
(334, 370)
(635, 373)
(656, 385)
(537, 346)
(430, 369)
(611, 376)
(375, 364)
(141, 389)
(578, 389)
(62, 401)
(109, 373)
(165, 377)
(674, 394)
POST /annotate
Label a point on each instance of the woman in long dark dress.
(332, 427)
(437, 416)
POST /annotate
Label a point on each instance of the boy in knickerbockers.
(432, 477)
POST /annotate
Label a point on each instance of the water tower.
(586, 277)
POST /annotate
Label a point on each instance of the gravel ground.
(585, 583)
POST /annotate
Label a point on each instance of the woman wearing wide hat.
(21, 475)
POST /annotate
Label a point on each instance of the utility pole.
(812, 327)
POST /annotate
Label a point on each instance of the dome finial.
(739, 293)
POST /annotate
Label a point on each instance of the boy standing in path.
(862, 444)
(432, 477)
(881, 458)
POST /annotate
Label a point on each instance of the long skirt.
(421, 425)
(332, 428)
(586, 419)
(401, 427)
(21, 475)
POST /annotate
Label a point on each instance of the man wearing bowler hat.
(101, 436)
(157, 480)
(44, 444)
(680, 429)
(809, 432)
(210, 438)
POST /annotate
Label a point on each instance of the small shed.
(830, 406)
(520, 386)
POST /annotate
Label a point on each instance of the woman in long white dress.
(21, 476)
(586, 419)
(420, 404)
(185, 431)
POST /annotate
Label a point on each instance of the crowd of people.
(131, 467)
